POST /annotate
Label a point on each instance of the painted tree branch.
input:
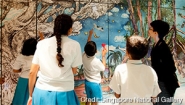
(5, 8)
(158, 9)
(41, 12)
(44, 17)
(181, 46)
(180, 31)
(140, 18)
(149, 17)
(132, 17)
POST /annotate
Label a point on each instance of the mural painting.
(112, 22)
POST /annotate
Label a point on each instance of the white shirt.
(134, 80)
(179, 92)
(24, 63)
(92, 67)
(52, 77)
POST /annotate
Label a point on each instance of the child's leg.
(94, 103)
(88, 103)
(94, 92)
(88, 92)
(97, 92)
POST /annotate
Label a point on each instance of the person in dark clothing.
(162, 62)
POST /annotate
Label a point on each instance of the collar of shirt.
(136, 62)
(64, 36)
(182, 84)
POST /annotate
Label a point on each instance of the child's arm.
(117, 95)
(74, 69)
(32, 77)
(104, 51)
(2, 80)
(17, 71)
(41, 35)
(115, 83)
(90, 35)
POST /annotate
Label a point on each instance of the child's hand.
(104, 51)
(2, 80)
(41, 35)
(29, 101)
(91, 32)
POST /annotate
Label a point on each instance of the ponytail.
(62, 25)
(59, 56)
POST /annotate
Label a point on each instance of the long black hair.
(62, 25)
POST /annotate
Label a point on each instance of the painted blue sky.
(179, 20)
(113, 29)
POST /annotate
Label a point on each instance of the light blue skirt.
(21, 94)
(44, 97)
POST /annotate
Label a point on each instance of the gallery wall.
(111, 20)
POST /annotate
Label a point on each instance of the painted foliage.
(111, 20)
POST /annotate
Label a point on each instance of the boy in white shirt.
(134, 80)
(92, 67)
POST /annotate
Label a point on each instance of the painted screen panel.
(112, 22)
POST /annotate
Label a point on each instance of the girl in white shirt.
(22, 65)
(57, 58)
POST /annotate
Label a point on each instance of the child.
(22, 65)
(92, 67)
(134, 80)
(57, 59)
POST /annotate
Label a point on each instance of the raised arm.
(41, 35)
(2, 80)
(104, 51)
(90, 35)
(17, 71)
(74, 69)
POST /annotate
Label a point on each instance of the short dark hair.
(29, 47)
(137, 47)
(90, 48)
(161, 27)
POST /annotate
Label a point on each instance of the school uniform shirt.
(24, 63)
(134, 81)
(92, 67)
(52, 77)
